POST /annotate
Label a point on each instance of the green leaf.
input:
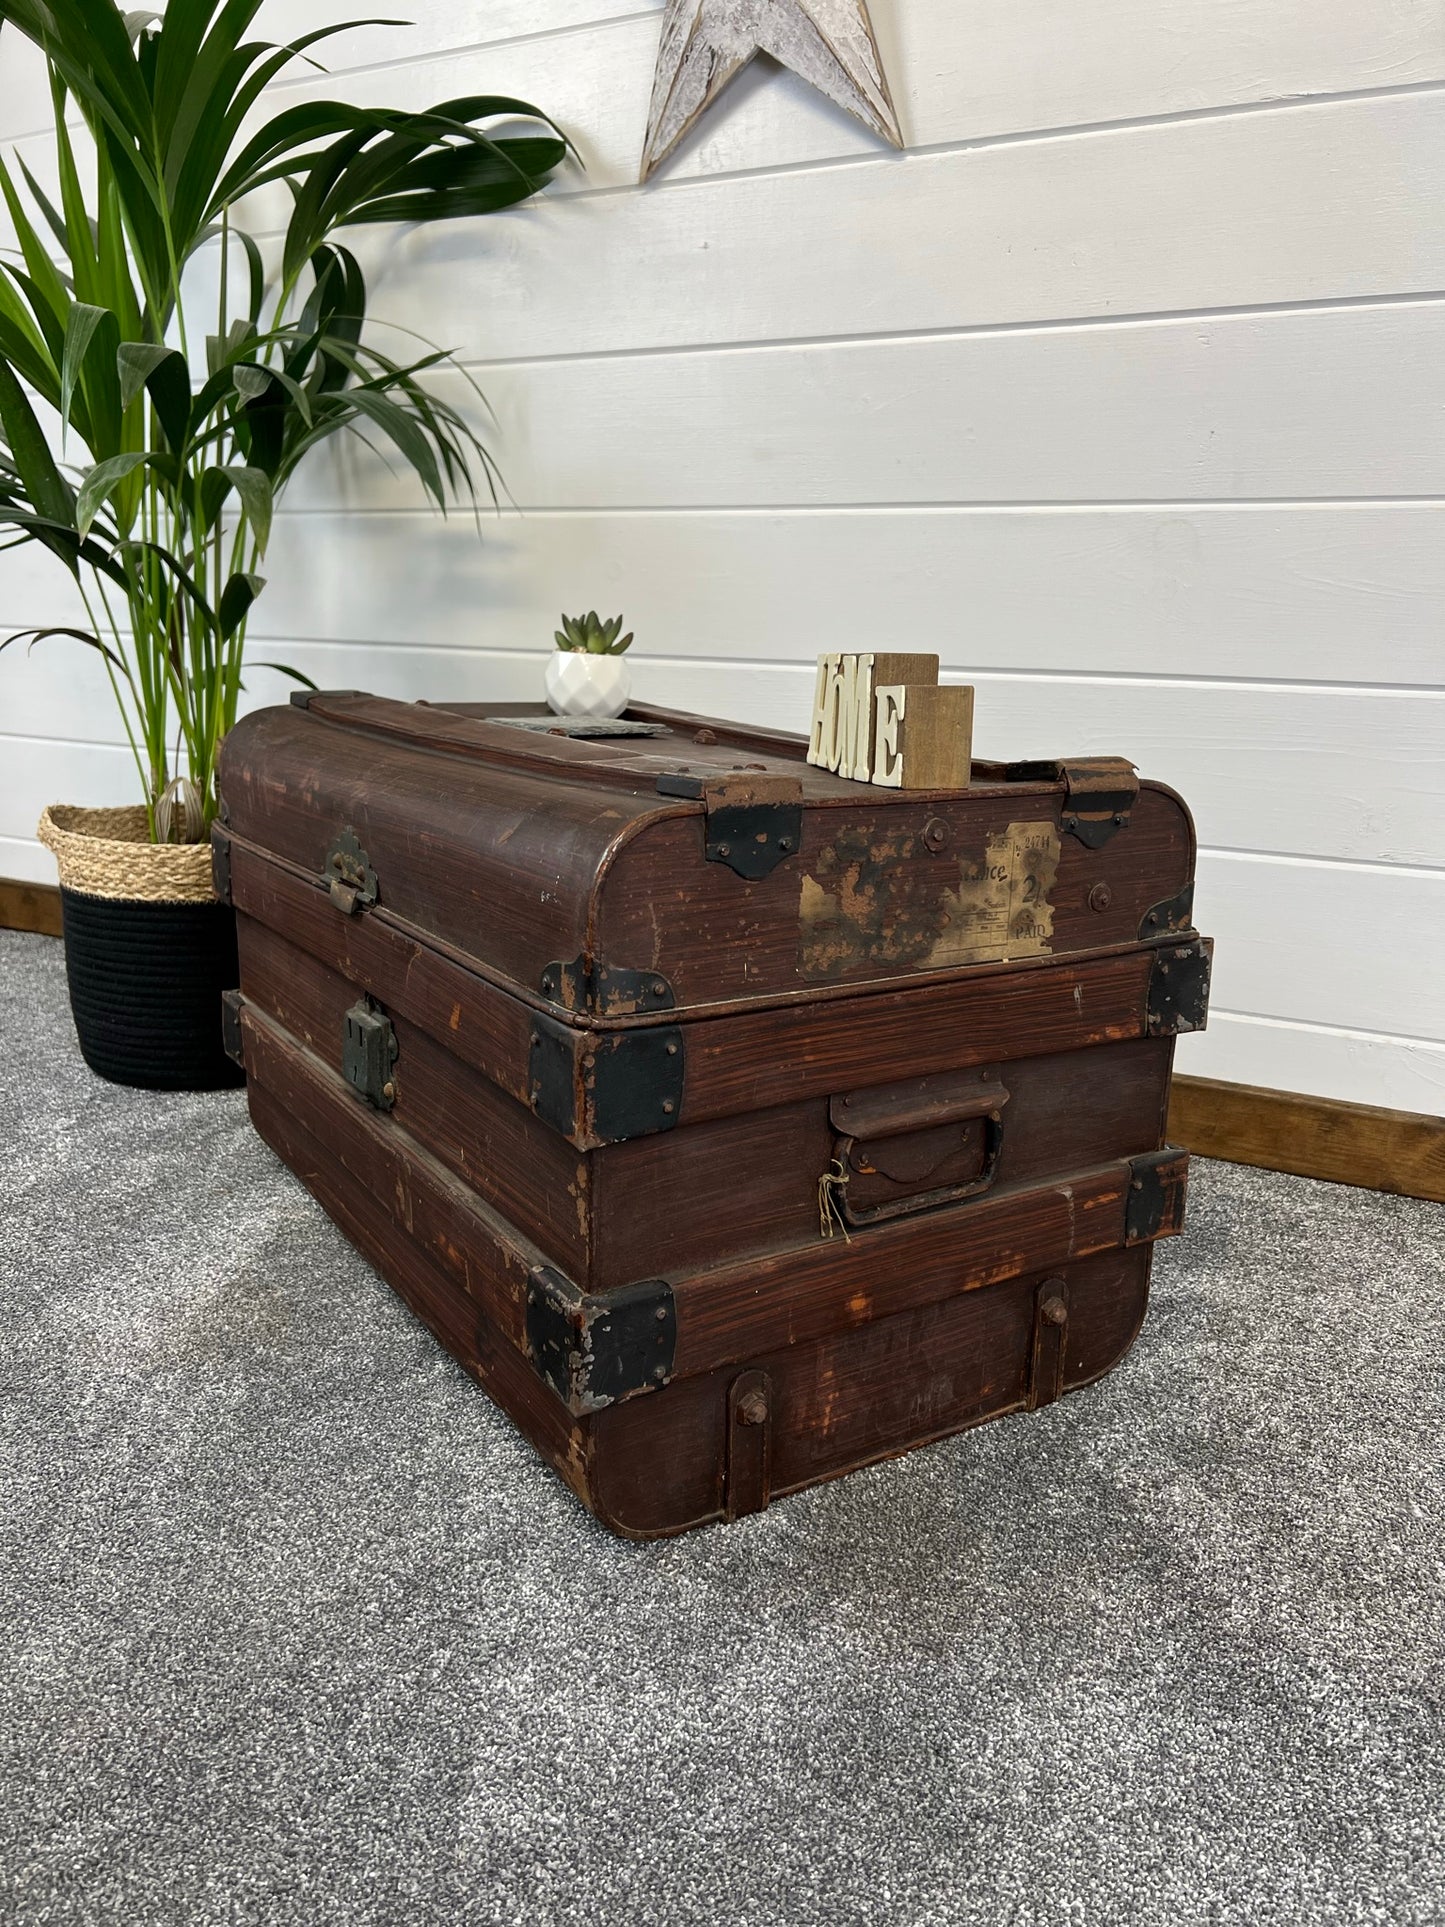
(457, 182)
(285, 669)
(215, 487)
(403, 429)
(46, 487)
(167, 380)
(80, 326)
(251, 380)
(136, 361)
(54, 218)
(236, 599)
(100, 482)
(76, 635)
(254, 490)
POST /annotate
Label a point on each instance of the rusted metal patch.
(893, 900)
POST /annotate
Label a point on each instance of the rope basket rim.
(108, 853)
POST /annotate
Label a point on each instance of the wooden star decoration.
(706, 42)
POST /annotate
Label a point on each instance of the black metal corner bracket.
(606, 1089)
(752, 839)
(232, 1037)
(750, 833)
(1154, 1204)
(221, 863)
(1179, 988)
(606, 990)
(1168, 917)
(595, 1350)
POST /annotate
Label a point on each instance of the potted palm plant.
(151, 416)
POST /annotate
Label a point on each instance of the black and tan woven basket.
(148, 950)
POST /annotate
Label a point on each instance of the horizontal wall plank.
(1353, 774)
(24, 860)
(39, 773)
(1318, 593)
(957, 73)
(1334, 402)
(1325, 943)
(1357, 1067)
(438, 26)
(1303, 204)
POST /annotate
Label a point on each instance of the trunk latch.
(368, 1052)
(349, 875)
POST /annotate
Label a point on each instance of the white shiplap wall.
(1124, 388)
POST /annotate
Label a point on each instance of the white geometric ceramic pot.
(583, 685)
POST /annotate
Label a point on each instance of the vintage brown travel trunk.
(734, 1124)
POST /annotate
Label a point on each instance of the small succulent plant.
(587, 636)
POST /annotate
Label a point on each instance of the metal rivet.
(1119, 819)
(672, 1050)
(659, 1372)
(668, 1106)
(1136, 1184)
(388, 1091)
(549, 984)
(536, 1037)
(661, 1314)
(1100, 897)
(1055, 1310)
(785, 843)
(659, 989)
(723, 850)
(753, 1409)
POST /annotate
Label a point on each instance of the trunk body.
(733, 1123)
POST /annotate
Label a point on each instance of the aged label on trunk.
(884, 901)
(1001, 909)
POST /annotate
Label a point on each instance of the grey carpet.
(297, 1630)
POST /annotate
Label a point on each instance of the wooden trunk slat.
(863, 1395)
(749, 1182)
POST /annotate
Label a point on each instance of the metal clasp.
(349, 875)
(368, 1051)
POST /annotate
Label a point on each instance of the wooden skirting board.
(1310, 1137)
(30, 906)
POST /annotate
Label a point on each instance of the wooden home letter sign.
(886, 719)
